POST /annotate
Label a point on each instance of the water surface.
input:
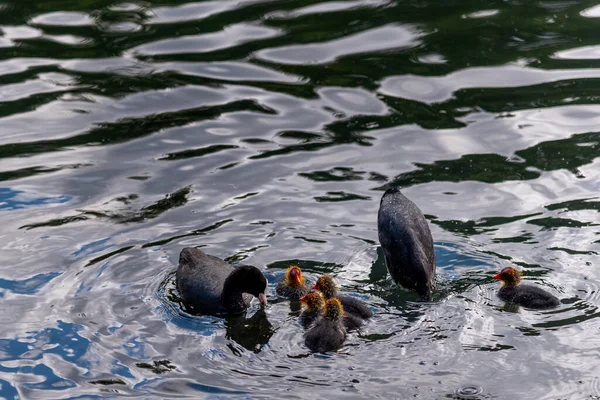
(266, 132)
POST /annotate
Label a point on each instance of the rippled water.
(266, 131)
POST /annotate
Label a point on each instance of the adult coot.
(292, 285)
(326, 285)
(212, 286)
(524, 295)
(327, 333)
(407, 243)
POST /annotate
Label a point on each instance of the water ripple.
(384, 38)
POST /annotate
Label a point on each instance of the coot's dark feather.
(328, 332)
(528, 296)
(354, 307)
(325, 335)
(407, 243)
(308, 317)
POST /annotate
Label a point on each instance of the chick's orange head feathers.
(313, 301)
(509, 275)
(326, 285)
(333, 309)
(294, 276)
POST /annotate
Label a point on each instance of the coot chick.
(314, 303)
(353, 306)
(212, 286)
(407, 243)
(327, 333)
(524, 295)
(292, 285)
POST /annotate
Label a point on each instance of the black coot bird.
(326, 285)
(212, 286)
(328, 332)
(407, 243)
(292, 286)
(524, 295)
(314, 303)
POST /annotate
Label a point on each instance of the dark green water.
(266, 131)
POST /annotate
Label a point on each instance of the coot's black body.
(212, 286)
(325, 335)
(407, 243)
(528, 296)
(352, 322)
(308, 317)
(328, 332)
(354, 309)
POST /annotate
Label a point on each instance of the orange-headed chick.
(292, 286)
(524, 295)
(313, 306)
(326, 285)
(328, 332)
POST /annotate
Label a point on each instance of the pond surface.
(266, 132)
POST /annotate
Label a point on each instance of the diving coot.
(524, 295)
(292, 285)
(212, 286)
(327, 286)
(407, 243)
(327, 333)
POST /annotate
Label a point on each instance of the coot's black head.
(509, 276)
(249, 279)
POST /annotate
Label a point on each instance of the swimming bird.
(292, 286)
(326, 285)
(524, 295)
(327, 333)
(407, 243)
(212, 286)
(314, 303)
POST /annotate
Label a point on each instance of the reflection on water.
(267, 133)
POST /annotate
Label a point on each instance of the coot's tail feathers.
(189, 255)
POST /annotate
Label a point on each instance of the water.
(266, 131)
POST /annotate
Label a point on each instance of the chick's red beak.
(316, 287)
(262, 298)
(304, 298)
(498, 276)
(296, 276)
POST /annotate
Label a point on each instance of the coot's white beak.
(262, 298)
